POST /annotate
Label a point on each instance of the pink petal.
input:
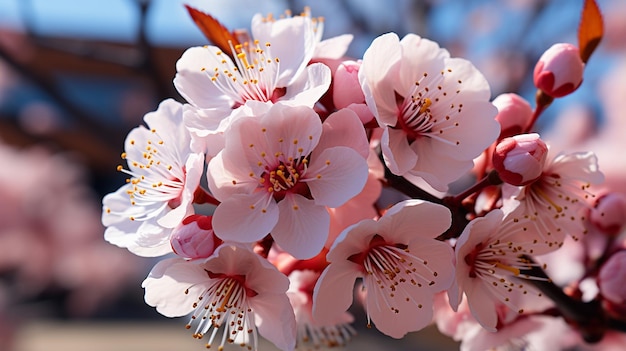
(482, 305)
(302, 226)
(333, 48)
(245, 217)
(221, 173)
(419, 56)
(409, 317)
(275, 319)
(166, 285)
(333, 292)
(412, 219)
(335, 175)
(378, 73)
(344, 128)
(399, 155)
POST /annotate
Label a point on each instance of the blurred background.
(77, 75)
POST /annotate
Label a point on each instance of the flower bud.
(347, 91)
(611, 278)
(519, 160)
(609, 213)
(514, 114)
(194, 237)
(559, 70)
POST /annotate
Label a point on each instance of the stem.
(492, 178)
(588, 317)
(542, 102)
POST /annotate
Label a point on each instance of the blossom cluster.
(291, 171)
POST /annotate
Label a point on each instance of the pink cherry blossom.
(279, 171)
(310, 332)
(520, 159)
(559, 199)
(401, 263)
(194, 238)
(164, 175)
(490, 264)
(234, 291)
(434, 109)
(273, 66)
(559, 71)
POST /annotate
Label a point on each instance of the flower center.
(253, 76)
(415, 109)
(156, 174)
(285, 178)
(392, 271)
(224, 305)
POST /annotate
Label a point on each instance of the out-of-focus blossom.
(434, 109)
(164, 174)
(609, 213)
(234, 291)
(611, 278)
(310, 332)
(401, 263)
(279, 170)
(514, 114)
(51, 236)
(520, 159)
(559, 71)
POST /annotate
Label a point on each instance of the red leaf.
(590, 29)
(219, 35)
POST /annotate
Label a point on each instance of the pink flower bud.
(346, 86)
(611, 278)
(514, 114)
(194, 237)
(559, 70)
(609, 213)
(519, 160)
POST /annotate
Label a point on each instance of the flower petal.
(344, 128)
(335, 175)
(275, 319)
(245, 217)
(398, 154)
(333, 291)
(302, 226)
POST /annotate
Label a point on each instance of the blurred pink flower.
(401, 263)
(434, 109)
(235, 291)
(310, 332)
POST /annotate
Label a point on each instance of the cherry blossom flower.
(164, 175)
(310, 332)
(273, 66)
(558, 199)
(234, 291)
(401, 263)
(434, 109)
(489, 264)
(278, 172)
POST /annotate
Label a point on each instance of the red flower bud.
(519, 160)
(514, 114)
(194, 237)
(559, 70)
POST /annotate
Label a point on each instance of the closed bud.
(559, 70)
(514, 114)
(519, 160)
(611, 278)
(194, 237)
(347, 91)
(609, 213)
